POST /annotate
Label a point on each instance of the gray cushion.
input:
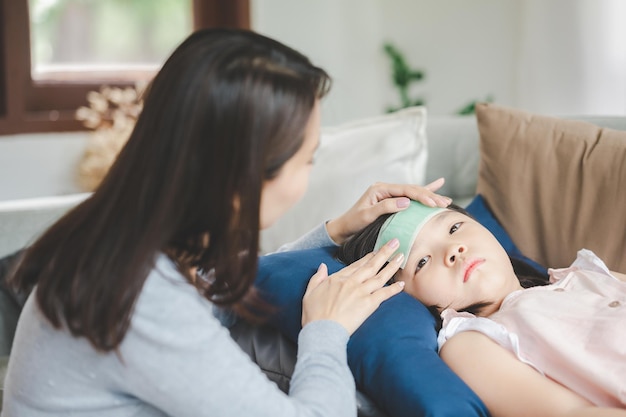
(276, 356)
(11, 304)
(10, 307)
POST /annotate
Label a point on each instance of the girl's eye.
(421, 263)
(455, 227)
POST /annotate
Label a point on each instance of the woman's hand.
(382, 198)
(352, 294)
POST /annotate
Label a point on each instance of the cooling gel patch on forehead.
(405, 225)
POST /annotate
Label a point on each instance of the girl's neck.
(493, 308)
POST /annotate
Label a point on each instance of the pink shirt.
(573, 331)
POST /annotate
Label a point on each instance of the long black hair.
(226, 111)
(363, 242)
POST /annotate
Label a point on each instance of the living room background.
(551, 57)
(560, 57)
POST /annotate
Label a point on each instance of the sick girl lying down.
(527, 345)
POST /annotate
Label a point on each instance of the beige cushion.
(351, 157)
(555, 185)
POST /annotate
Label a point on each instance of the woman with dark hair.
(120, 321)
(527, 346)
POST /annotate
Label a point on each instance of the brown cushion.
(555, 185)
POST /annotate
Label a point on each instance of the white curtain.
(572, 58)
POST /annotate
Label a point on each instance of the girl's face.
(281, 192)
(455, 262)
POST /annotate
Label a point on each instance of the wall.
(467, 49)
(559, 57)
(573, 57)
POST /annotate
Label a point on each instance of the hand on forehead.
(405, 225)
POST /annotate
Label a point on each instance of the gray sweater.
(176, 360)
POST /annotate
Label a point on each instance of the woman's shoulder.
(168, 296)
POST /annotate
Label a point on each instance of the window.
(40, 91)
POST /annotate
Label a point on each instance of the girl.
(546, 350)
(119, 321)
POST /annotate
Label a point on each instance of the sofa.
(407, 146)
(544, 186)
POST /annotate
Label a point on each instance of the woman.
(525, 346)
(119, 321)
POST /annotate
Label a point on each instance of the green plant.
(404, 76)
(470, 107)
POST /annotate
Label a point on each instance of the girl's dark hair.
(225, 112)
(363, 242)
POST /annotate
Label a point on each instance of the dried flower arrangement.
(112, 114)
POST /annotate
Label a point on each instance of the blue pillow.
(393, 355)
(479, 209)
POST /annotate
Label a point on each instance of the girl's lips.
(470, 267)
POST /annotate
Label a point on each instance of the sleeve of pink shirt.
(585, 260)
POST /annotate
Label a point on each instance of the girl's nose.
(455, 251)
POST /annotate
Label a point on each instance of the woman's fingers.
(435, 185)
(426, 195)
(320, 276)
(391, 198)
(387, 292)
(383, 276)
(381, 198)
(352, 294)
(370, 265)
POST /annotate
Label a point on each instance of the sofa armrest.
(21, 221)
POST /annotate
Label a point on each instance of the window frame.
(49, 105)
